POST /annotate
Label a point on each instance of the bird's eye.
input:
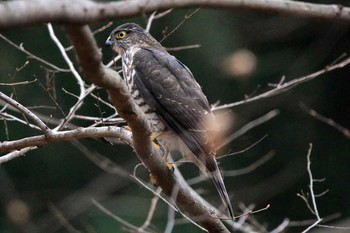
(120, 35)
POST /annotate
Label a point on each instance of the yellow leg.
(127, 127)
(153, 137)
(153, 179)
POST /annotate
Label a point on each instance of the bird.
(173, 103)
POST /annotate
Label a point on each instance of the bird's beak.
(108, 41)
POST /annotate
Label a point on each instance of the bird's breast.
(129, 76)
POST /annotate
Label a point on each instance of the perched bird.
(173, 102)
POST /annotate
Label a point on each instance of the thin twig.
(237, 172)
(63, 221)
(252, 166)
(286, 86)
(83, 92)
(334, 227)
(10, 117)
(328, 121)
(218, 157)
(311, 184)
(179, 48)
(252, 124)
(15, 154)
(282, 227)
(115, 217)
(104, 27)
(101, 161)
(312, 195)
(150, 21)
(164, 13)
(52, 98)
(151, 211)
(32, 56)
(185, 19)
(150, 189)
(58, 136)
(26, 112)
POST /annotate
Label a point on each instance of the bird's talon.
(170, 167)
(153, 180)
(126, 127)
(156, 145)
(154, 136)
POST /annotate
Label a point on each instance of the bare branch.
(178, 48)
(26, 112)
(283, 87)
(311, 186)
(8, 117)
(83, 92)
(21, 12)
(32, 56)
(151, 211)
(268, 116)
(115, 217)
(60, 217)
(16, 154)
(18, 83)
(313, 208)
(282, 227)
(59, 136)
(67, 59)
(252, 166)
(328, 121)
(184, 20)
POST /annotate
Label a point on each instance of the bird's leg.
(154, 141)
(165, 153)
(165, 150)
(126, 127)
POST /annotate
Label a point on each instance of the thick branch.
(59, 136)
(90, 61)
(21, 12)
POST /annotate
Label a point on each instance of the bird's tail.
(220, 186)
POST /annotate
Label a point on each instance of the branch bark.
(21, 12)
(59, 136)
(89, 57)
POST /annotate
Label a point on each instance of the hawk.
(173, 102)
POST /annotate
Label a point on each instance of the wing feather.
(170, 89)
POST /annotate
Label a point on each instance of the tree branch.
(37, 121)
(21, 12)
(283, 87)
(59, 136)
(89, 57)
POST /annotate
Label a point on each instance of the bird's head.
(127, 35)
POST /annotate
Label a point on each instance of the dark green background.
(60, 174)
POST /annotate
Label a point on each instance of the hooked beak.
(108, 42)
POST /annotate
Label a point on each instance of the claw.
(153, 179)
(170, 167)
(155, 135)
(127, 128)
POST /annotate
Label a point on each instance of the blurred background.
(240, 54)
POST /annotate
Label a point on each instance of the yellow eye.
(120, 35)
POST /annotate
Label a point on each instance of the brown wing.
(170, 88)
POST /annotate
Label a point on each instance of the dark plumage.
(172, 100)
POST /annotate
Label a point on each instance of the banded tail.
(216, 176)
